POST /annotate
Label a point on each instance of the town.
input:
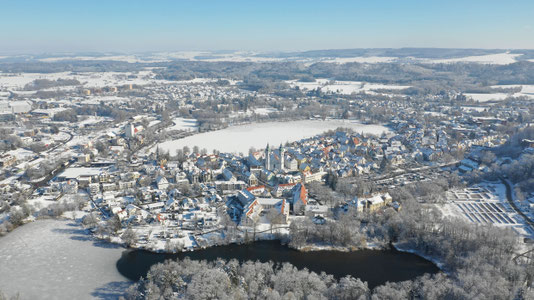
(106, 163)
(181, 157)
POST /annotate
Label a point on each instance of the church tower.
(267, 158)
(281, 152)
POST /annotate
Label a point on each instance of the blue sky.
(135, 26)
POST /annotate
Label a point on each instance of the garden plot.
(484, 204)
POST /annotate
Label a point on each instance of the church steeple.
(281, 153)
(267, 157)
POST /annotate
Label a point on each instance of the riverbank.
(436, 261)
(325, 247)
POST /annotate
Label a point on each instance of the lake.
(58, 259)
(374, 266)
(240, 138)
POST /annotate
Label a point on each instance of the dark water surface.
(374, 266)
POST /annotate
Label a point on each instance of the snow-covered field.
(487, 97)
(124, 58)
(526, 89)
(184, 124)
(56, 259)
(345, 87)
(361, 59)
(17, 81)
(241, 138)
(525, 92)
(264, 110)
(504, 58)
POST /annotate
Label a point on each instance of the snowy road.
(56, 259)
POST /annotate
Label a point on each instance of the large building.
(371, 202)
(15, 107)
(274, 160)
(129, 131)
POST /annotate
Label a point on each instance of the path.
(510, 199)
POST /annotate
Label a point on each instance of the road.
(510, 199)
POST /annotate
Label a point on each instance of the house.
(291, 164)
(371, 203)
(227, 175)
(251, 213)
(281, 189)
(69, 187)
(299, 199)
(309, 176)
(7, 160)
(256, 190)
(162, 183)
(94, 188)
(251, 179)
(172, 205)
(280, 208)
(245, 197)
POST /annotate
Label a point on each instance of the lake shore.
(240, 138)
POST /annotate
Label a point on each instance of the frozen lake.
(241, 138)
(56, 259)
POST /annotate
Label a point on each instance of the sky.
(37, 26)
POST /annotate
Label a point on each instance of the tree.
(488, 157)
(251, 150)
(129, 237)
(90, 220)
(113, 224)
(186, 150)
(274, 216)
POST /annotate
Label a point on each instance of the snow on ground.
(344, 87)
(21, 154)
(435, 114)
(474, 108)
(494, 59)
(264, 110)
(487, 97)
(484, 204)
(181, 55)
(361, 59)
(497, 96)
(241, 138)
(153, 123)
(90, 120)
(526, 89)
(124, 58)
(41, 201)
(184, 124)
(56, 259)
(17, 81)
(259, 111)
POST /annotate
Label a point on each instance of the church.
(274, 160)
